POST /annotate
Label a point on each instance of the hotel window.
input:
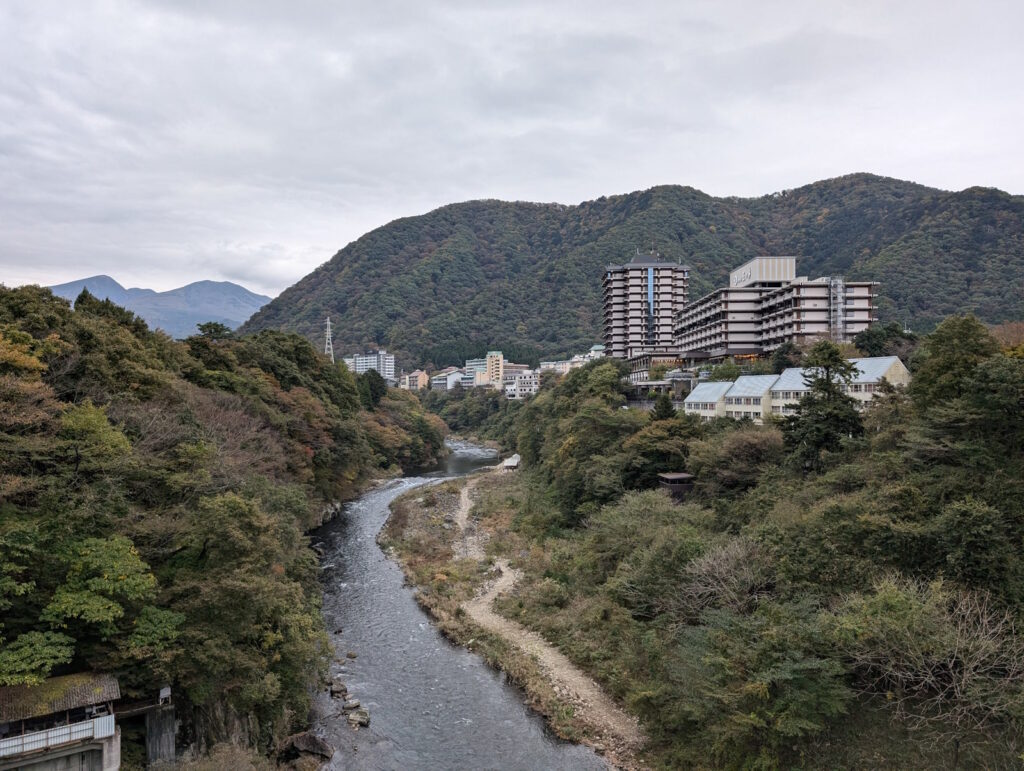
(757, 401)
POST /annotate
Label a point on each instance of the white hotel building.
(767, 304)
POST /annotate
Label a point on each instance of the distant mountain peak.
(176, 311)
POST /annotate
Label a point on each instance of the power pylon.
(328, 343)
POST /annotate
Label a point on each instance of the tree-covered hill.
(153, 500)
(526, 277)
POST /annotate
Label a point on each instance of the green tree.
(785, 356)
(372, 388)
(948, 358)
(826, 415)
(214, 330)
(663, 409)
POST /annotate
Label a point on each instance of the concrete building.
(64, 723)
(750, 397)
(767, 304)
(381, 360)
(641, 364)
(521, 384)
(707, 400)
(416, 380)
(495, 363)
(789, 388)
(562, 366)
(641, 300)
(446, 379)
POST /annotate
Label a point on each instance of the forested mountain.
(176, 311)
(526, 277)
(153, 500)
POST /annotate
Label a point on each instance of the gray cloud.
(164, 141)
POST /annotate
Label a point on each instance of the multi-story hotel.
(767, 304)
(641, 300)
(381, 360)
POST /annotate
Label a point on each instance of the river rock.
(338, 689)
(308, 743)
(359, 718)
(351, 654)
(350, 705)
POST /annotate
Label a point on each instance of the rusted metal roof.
(57, 694)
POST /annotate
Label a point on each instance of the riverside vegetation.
(524, 278)
(153, 501)
(842, 589)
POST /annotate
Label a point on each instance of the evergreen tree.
(663, 409)
(826, 415)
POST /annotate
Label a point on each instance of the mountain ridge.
(175, 311)
(526, 277)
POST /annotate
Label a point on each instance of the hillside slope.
(176, 311)
(526, 277)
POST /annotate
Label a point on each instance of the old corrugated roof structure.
(57, 694)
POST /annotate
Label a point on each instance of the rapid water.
(433, 705)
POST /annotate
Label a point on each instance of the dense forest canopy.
(842, 589)
(153, 500)
(526, 278)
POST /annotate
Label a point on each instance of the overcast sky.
(166, 141)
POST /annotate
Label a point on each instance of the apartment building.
(641, 300)
(381, 360)
(767, 304)
(707, 400)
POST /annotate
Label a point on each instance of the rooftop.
(709, 392)
(57, 694)
(752, 385)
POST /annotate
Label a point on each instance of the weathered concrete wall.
(160, 730)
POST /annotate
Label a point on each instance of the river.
(433, 705)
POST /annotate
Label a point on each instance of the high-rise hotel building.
(641, 301)
(767, 304)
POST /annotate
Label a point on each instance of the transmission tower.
(328, 343)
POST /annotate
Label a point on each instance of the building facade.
(562, 366)
(416, 380)
(521, 384)
(446, 379)
(381, 361)
(707, 400)
(641, 300)
(766, 304)
(790, 387)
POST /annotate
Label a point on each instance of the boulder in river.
(350, 705)
(351, 654)
(308, 743)
(359, 717)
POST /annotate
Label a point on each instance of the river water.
(433, 705)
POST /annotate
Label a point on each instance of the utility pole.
(328, 343)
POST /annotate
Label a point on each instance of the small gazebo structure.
(678, 483)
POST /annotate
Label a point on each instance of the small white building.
(446, 379)
(750, 397)
(511, 463)
(707, 400)
(521, 385)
